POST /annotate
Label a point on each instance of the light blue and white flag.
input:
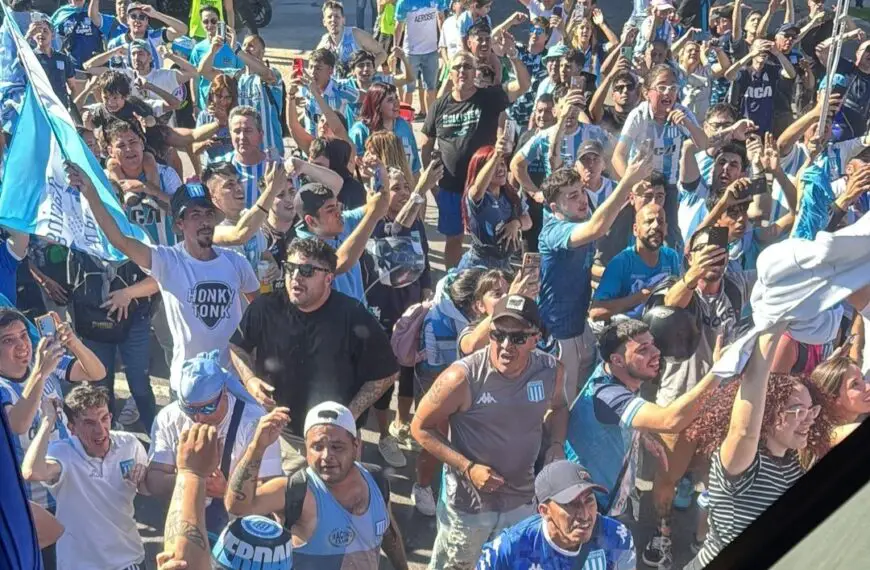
(12, 79)
(34, 195)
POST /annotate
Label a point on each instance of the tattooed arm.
(449, 394)
(185, 535)
(370, 393)
(392, 544)
(244, 496)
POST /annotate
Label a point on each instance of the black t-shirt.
(753, 94)
(462, 127)
(277, 242)
(313, 357)
(612, 120)
(856, 107)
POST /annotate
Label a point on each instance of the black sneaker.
(657, 553)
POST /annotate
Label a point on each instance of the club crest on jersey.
(126, 467)
(535, 391)
(341, 537)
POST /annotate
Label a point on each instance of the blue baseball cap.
(202, 378)
(556, 52)
(839, 80)
(254, 543)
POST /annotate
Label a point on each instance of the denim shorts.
(449, 212)
(424, 66)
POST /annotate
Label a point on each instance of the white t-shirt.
(95, 504)
(171, 421)
(667, 140)
(166, 79)
(537, 10)
(421, 25)
(451, 36)
(202, 300)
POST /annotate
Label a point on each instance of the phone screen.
(46, 325)
(718, 236)
(557, 11)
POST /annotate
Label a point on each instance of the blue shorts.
(449, 212)
(425, 67)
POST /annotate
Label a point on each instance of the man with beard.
(200, 284)
(623, 88)
(95, 475)
(566, 529)
(719, 296)
(499, 402)
(567, 245)
(608, 417)
(337, 510)
(307, 344)
(631, 275)
(532, 57)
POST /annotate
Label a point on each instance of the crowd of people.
(636, 217)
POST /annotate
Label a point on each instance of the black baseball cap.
(189, 195)
(788, 29)
(563, 481)
(521, 309)
(310, 198)
(590, 146)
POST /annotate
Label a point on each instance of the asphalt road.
(295, 28)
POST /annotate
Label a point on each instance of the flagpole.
(833, 60)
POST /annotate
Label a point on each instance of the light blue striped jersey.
(667, 139)
(249, 176)
(342, 539)
(352, 83)
(341, 95)
(359, 134)
(693, 206)
(344, 49)
(11, 391)
(252, 92)
(538, 147)
(151, 218)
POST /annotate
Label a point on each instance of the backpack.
(406, 334)
(297, 487)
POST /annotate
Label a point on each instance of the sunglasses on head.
(203, 410)
(515, 338)
(305, 269)
(141, 16)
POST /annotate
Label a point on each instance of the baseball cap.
(788, 28)
(330, 413)
(590, 146)
(562, 481)
(519, 308)
(140, 44)
(662, 5)
(134, 6)
(838, 80)
(310, 198)
(202, 378)
(190, 195)
(253, 542)
(555, 52)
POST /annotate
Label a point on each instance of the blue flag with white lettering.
(34, 195)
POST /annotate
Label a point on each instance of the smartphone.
(532, 264)
(579, 12)
(222, 30)
(714, 42)
(557, 11)
(436, 157)
(627, 52)
(718, 236)
(298, 67)
(46, 326)
(578, 82)
(510, 130)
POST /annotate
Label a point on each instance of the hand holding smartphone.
(46, 326)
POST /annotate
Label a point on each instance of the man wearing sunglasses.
(495, 401)
(306, 343)
(138, 18)
(204, 397)
(532, 56)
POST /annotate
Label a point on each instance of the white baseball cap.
(330, 413)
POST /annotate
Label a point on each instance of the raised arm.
(353, 247)
(477, 188)
(101, 59)
(737, 21)
(371, 45)
(317, 173)
(680, 413)
(788, 71)
(87, 367)
(35, 467)
(596, 104)
(175, 28)
(21, 413)
(764, 23)
(297, 130)
(206, 66)
(428, 181)
(744, 433)
(244, 495)
(252, 220)
(94, 13)
(523, 80)
(137, 251)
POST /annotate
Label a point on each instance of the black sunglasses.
(515, 338)
(305, 269)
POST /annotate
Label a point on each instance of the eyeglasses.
(801, 413)
(140, 16)
(515, 338)
(205, 409)
(626, 88)
(462, 67)
(305, 269)
(537, 30)
(667, 89)
(210, 21)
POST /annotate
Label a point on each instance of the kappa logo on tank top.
(486, 398)
(211, 301)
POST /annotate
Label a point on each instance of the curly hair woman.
(840, 379)
(754, 429)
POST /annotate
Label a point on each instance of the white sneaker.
(402, 433)
(389, 448)
(129, 414)
(423, 499)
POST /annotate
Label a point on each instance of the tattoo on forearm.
(718, 139)
(183, 529)
(370, 393)
(246, 471)
(394, 548)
